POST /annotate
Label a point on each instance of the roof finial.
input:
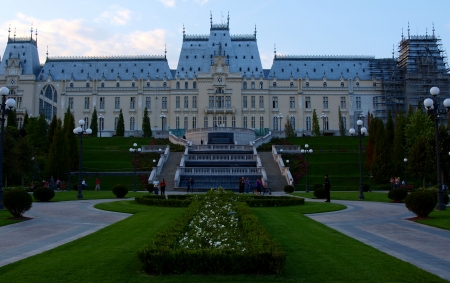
(392, 51)
(14, 34)
(275, 50)
(402, 34)
(165, 51)
(210, 17)
(433, 30)
(184, 31)
(255, 30)
(47, 52)
(409, 37)
(36, 35)
(31, 30)
(9, 31)
(228, 20)
(426, 32)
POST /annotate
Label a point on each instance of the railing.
(279, 160)
(220, 157)
(156, 148)
(220, 170)
(164, 155)
(286, 148)
(177, 140)
(227, 110)
(261, 140)
(219, 129)
(218, 147)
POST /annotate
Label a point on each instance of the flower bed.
(216, 235)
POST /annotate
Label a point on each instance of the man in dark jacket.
(327, 186)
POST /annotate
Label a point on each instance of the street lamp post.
(7, 105)
(134, 150)
(80, 131)
(163, 118)
(100, 118)
(306, 151)
(406, 162)
(361, 132)
(432, 105)
(324, 117)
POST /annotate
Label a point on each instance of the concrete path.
(384, 227)
(53, 224)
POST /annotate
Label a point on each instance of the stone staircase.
(169, 169)
(274, 177)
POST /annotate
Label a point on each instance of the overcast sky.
(297, 27)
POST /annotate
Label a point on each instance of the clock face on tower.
(219, 79)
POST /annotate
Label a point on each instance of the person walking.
(327, 187)
(191, 182)
(258, 186)
(156, 185)
(241, 185)
(163, 185)
(97, 184)
(247, 185)
(58, 184)
(84, 185)
(52, 183)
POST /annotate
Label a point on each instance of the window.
(344, 122)
(101, 124)
(253, 101)
(211, 102)
(343, 103)
(132, 102)
(275, 102)
(308, 102)
(71, 84)
(205, 122)
(308, 123)
(260, 85)
(194, 84)
(164, 84)
(253, 85)
(102, 103)
(186, 85)
(71, 103)
(164, 103)
(325, 123)
(233, 122)
(132, 124)
(177, 122)
(292, 119)
(219, 120)
(228, 102)
(291, 84)
(274, 84)
(261, 102)
(177, 102)
(86, 103)
(261, 122)
(103, 85)
(220, 101)
(194, 122)
(244, 101)
(358, 102)
(148, 103)
(186, 102)
(118, 84)
(245, 123)
(19, 122)
(178, 85)
(185, 123)
(224, 121)
(325, 102)
(214, 121)
(244, 85)
(88, 84)
(292, 102)
(253, 122)
(194, 102)
(86, 123)
(116, 121)
(374, 103)
(117, 103)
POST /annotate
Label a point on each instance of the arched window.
(224, 121)
(165, 84)
(344, 122)
(86, 123)
(194, 122)
(71, 84)
(88, 84)
(260, 85)
(292, 119)
(178, 85)
(133, 84)
(48, 101)
(308, 123)
(194, 85)
(117, 84)
(274, 84)
(148, 84)
(132, 121)
(291, 84)
(19, 123)
(103, 84)
(244, 85)
(185, 123)
(186, 85)
(253, 85)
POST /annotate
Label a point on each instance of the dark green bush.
(120, 190)
(320, 192)
(397, 194)
(17, 201)
(316, 186)
(180, 197)
(149, 188)
(366, 187)
(421, 203)
(384, 187)
(289, 189)
(43, 194)
(433, 191)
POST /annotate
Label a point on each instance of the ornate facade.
(219, 81)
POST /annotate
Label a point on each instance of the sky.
(296, 27)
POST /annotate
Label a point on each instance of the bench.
(409, 188)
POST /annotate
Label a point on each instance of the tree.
(9, 159)
(418, 124)
(120, 130)
(11, 119)
(315, 124)
(71, 140)
(37, 133)
(51, 129)
(381, 165)
(23, 153)
(399, 142)
(372, 130)
(22, 130)
(444, 139)
(390, 128)
(146, 128)
(94, 124)
(341, 123)
(57, 164)
(288, 129)
(422, 159)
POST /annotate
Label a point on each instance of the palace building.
(220, 81)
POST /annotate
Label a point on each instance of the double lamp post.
(135, 150)
(80, 131)
(361, 132)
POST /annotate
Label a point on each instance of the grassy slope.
(368, 196)
(316, 253)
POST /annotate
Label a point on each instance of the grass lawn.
(72, 195)
(440, 219)
(368, 196)
(4, 215)
(316, 253)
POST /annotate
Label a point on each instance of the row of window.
(133, 84)
(325, 102)
(186, 102)
(186, 85)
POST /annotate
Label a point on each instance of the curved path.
(384, 227)
(53, 224)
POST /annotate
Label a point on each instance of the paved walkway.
(380, 225)
(384, 227)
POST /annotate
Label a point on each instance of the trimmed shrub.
(433, 191)
(316, 186)
(397, 194)
(421, 203)
(320, 192)
(180, 197)
(17, 201)
(366, 187)
(120, 190)
(289, 189)
(149, 188)
(43, 194)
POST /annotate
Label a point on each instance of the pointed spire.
(9, 31)
(402, 34)
(275, 50)
(14, 34)
(228, 20)
(392, 51)
(47, 52)
(31, 30)
(255, 31)
(36, 35)
(433, 30)
(409, 37)
(165, 51)
(184, 31)
(210, 17)
(426, 32)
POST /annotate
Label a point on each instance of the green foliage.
(120, 130)
(288, 129)
(418, 125)
(390, 128)
(17, 201)
(149, 188)
(58, 155)
(421, 161)
(433, 191)
(51, 129)
(315, 124)
(371, 144)
(289, 189)
(397, 194)
(399, 143)
(341, 122)
(381, 165)
(11, 119)
(37, 133)
(23, 153)
(421, 203)
(94, 123)
(10, 162)
(384, 187)
(43, 194)
(120, 190)
(70, 140)
(319, 192)
(146, 127)
(273, 141)
(161, 201)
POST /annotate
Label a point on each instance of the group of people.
(395, 182)
(159, 186)
(51, 183)
(244, 186)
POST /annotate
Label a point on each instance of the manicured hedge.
(162, 202)
(262, 254)
(274, 201)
